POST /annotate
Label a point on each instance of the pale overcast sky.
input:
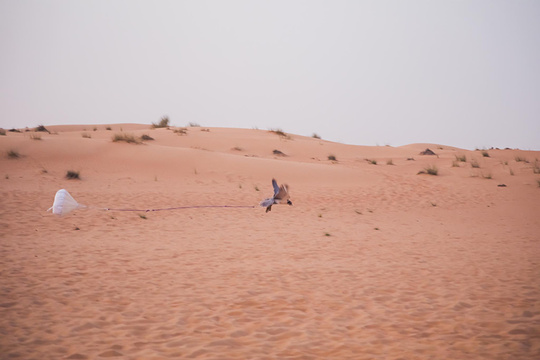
(460, 73)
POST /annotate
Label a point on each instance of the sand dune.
(373, 261)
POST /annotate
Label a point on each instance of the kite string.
(183, 207)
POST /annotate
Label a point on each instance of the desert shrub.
(108, 128)
(194, 124)
(280, 133)
(389, 162)
(129, 138)
(372, 161)
(461, 158)
(430, 170)
(485, 153)
(73, 175)
(86, 135)
(475, 164)
(35, 137)
(13, 154)
(145, 137)
(536, 167)
(315, 136)
(163, 123)
(332, 157)
(181, 131)
(521, 159)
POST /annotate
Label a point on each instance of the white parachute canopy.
(64, 203)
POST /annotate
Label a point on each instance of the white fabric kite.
(64, 203)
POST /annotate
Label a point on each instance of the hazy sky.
(461, 73)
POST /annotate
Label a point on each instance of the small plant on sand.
(163, 123)
(282, 135)
(180, 131)
(475, 164)
(536, 167)
(430, 170)
(13, 154)
(487, 176)
(389, 162)
(86, 135)
(194, 124)
(256, 188)
(35, 136)
(520, 159)
(129, 138)
(372, 161)
(278, 132)
(316, 136)
(143, 216)
(327, 234)
(511, 172)
(461, 158)
(108, 128)
(332, 157)
(455, 164)
(485, 153)
(73, 175)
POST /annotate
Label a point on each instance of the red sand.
(371, 262)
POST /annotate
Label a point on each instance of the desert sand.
(372, 261)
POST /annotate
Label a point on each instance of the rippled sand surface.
(371, 261)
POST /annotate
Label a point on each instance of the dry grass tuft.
(13, 154)
(461, 158)
(73, 175)
(430, 170)
(129, 138)
(163, 123)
